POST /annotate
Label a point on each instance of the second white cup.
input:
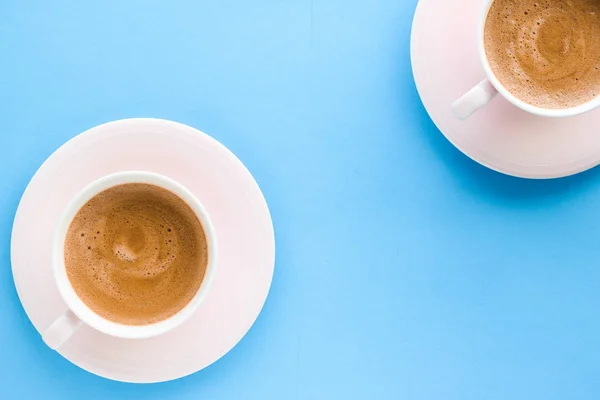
(488, 88)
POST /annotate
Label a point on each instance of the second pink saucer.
(500, 136)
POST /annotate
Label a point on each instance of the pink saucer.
(500, 136)
(231, 197)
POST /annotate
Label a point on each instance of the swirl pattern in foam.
(136, 254)
(546, 52)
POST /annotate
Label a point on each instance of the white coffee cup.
(77, 312)
(487, 89)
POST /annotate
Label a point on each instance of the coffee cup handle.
(61, 330)
(474, 99)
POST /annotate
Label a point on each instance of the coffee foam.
(546, 52)
(136, 254)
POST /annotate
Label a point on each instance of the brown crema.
(136, 254)
(546, 52)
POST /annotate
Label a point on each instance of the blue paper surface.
(404, 270)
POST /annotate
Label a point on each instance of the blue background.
(404, 270)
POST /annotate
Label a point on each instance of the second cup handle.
(474, 99)
(61, 330)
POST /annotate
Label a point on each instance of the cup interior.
(79, 308)
(544, 112)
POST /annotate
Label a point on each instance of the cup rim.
(543, 112)
(74, 302)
